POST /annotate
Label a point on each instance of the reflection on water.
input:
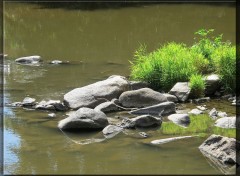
(97, 43)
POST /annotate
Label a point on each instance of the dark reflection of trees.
(77, 5)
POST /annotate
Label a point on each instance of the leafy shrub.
(197, 85)
(224, 59)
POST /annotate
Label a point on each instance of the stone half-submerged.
(84, 119)
(94, 94)
(141, 98)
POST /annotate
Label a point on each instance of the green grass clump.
(231, 132)
(199, 124)
(224, 58)
(197, 85)
(164, 67)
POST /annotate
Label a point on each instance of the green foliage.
(197, 85)
(164, 67)
(175, 62)
(200, 125)
(224, 59)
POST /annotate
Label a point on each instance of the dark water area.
(97, 42)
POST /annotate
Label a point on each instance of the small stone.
(195, 112)
(28, 101)
(52, 115)
(222, 114)
(213, 114)
(202, 108)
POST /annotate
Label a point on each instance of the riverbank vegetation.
(200, 125)
(177, 62)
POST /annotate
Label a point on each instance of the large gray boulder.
(221, 148)
(226, 122)
(29, 60)
(180, 119)
(165, 108)
(212, 84)
(141, 121)
(97, 93)
(83, 119)
(181, 90)
(141, 98)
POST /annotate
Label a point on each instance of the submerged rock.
(226, 122)
(163, 141)
(29, 60)
(181, 90)
(220, 148)
(84, 119)
(97, 93)
(180, 119)
(165, 108)
(141, 98)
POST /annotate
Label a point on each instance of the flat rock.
(170, 97)
(29, 59)
(181, 90)
(141, 98)
(165, 108)
(107, 107)
(226, 122)
(84, 119)
(221, 148)
(180, 119)
(195, 112)
(167, 140)
(96, 93)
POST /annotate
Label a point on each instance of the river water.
(98, 42)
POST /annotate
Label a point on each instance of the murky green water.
(98, 43)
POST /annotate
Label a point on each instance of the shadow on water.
(91, 6)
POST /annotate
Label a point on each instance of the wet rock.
(167, 140)
(202, 108)
(60, 107)
(213, 114)
(29, 60)
(141, 98)
(135, 85)
(170, 97)
(201, 100)
(84, 119)
(51, 105)
(97, 93)
(107, 107)
(116, 101)
(165, 108)
(52, 115)
(226, 122)
(181, 90)
(212, 84)
(195, 112)
(221, 148)
(28, 101)
(15, 104)
(222, 114)
(111, 131)
(180, 119)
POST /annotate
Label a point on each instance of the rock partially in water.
(84, 119)
(180, 119)
(201, 100)
(213, 114)
(135, 85)
(52, 115)
(28, 101)
(195, 112)
(221, 148)
(212, 84)
(107, 107)
(165, 108)
(29, 60)
(111, 131)
(171, 98)
(141, 98)
(167, 140)
(202, 108)
(51, 105)
(226, 122)
(181, 90)
(97, 93)
(15, 104)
